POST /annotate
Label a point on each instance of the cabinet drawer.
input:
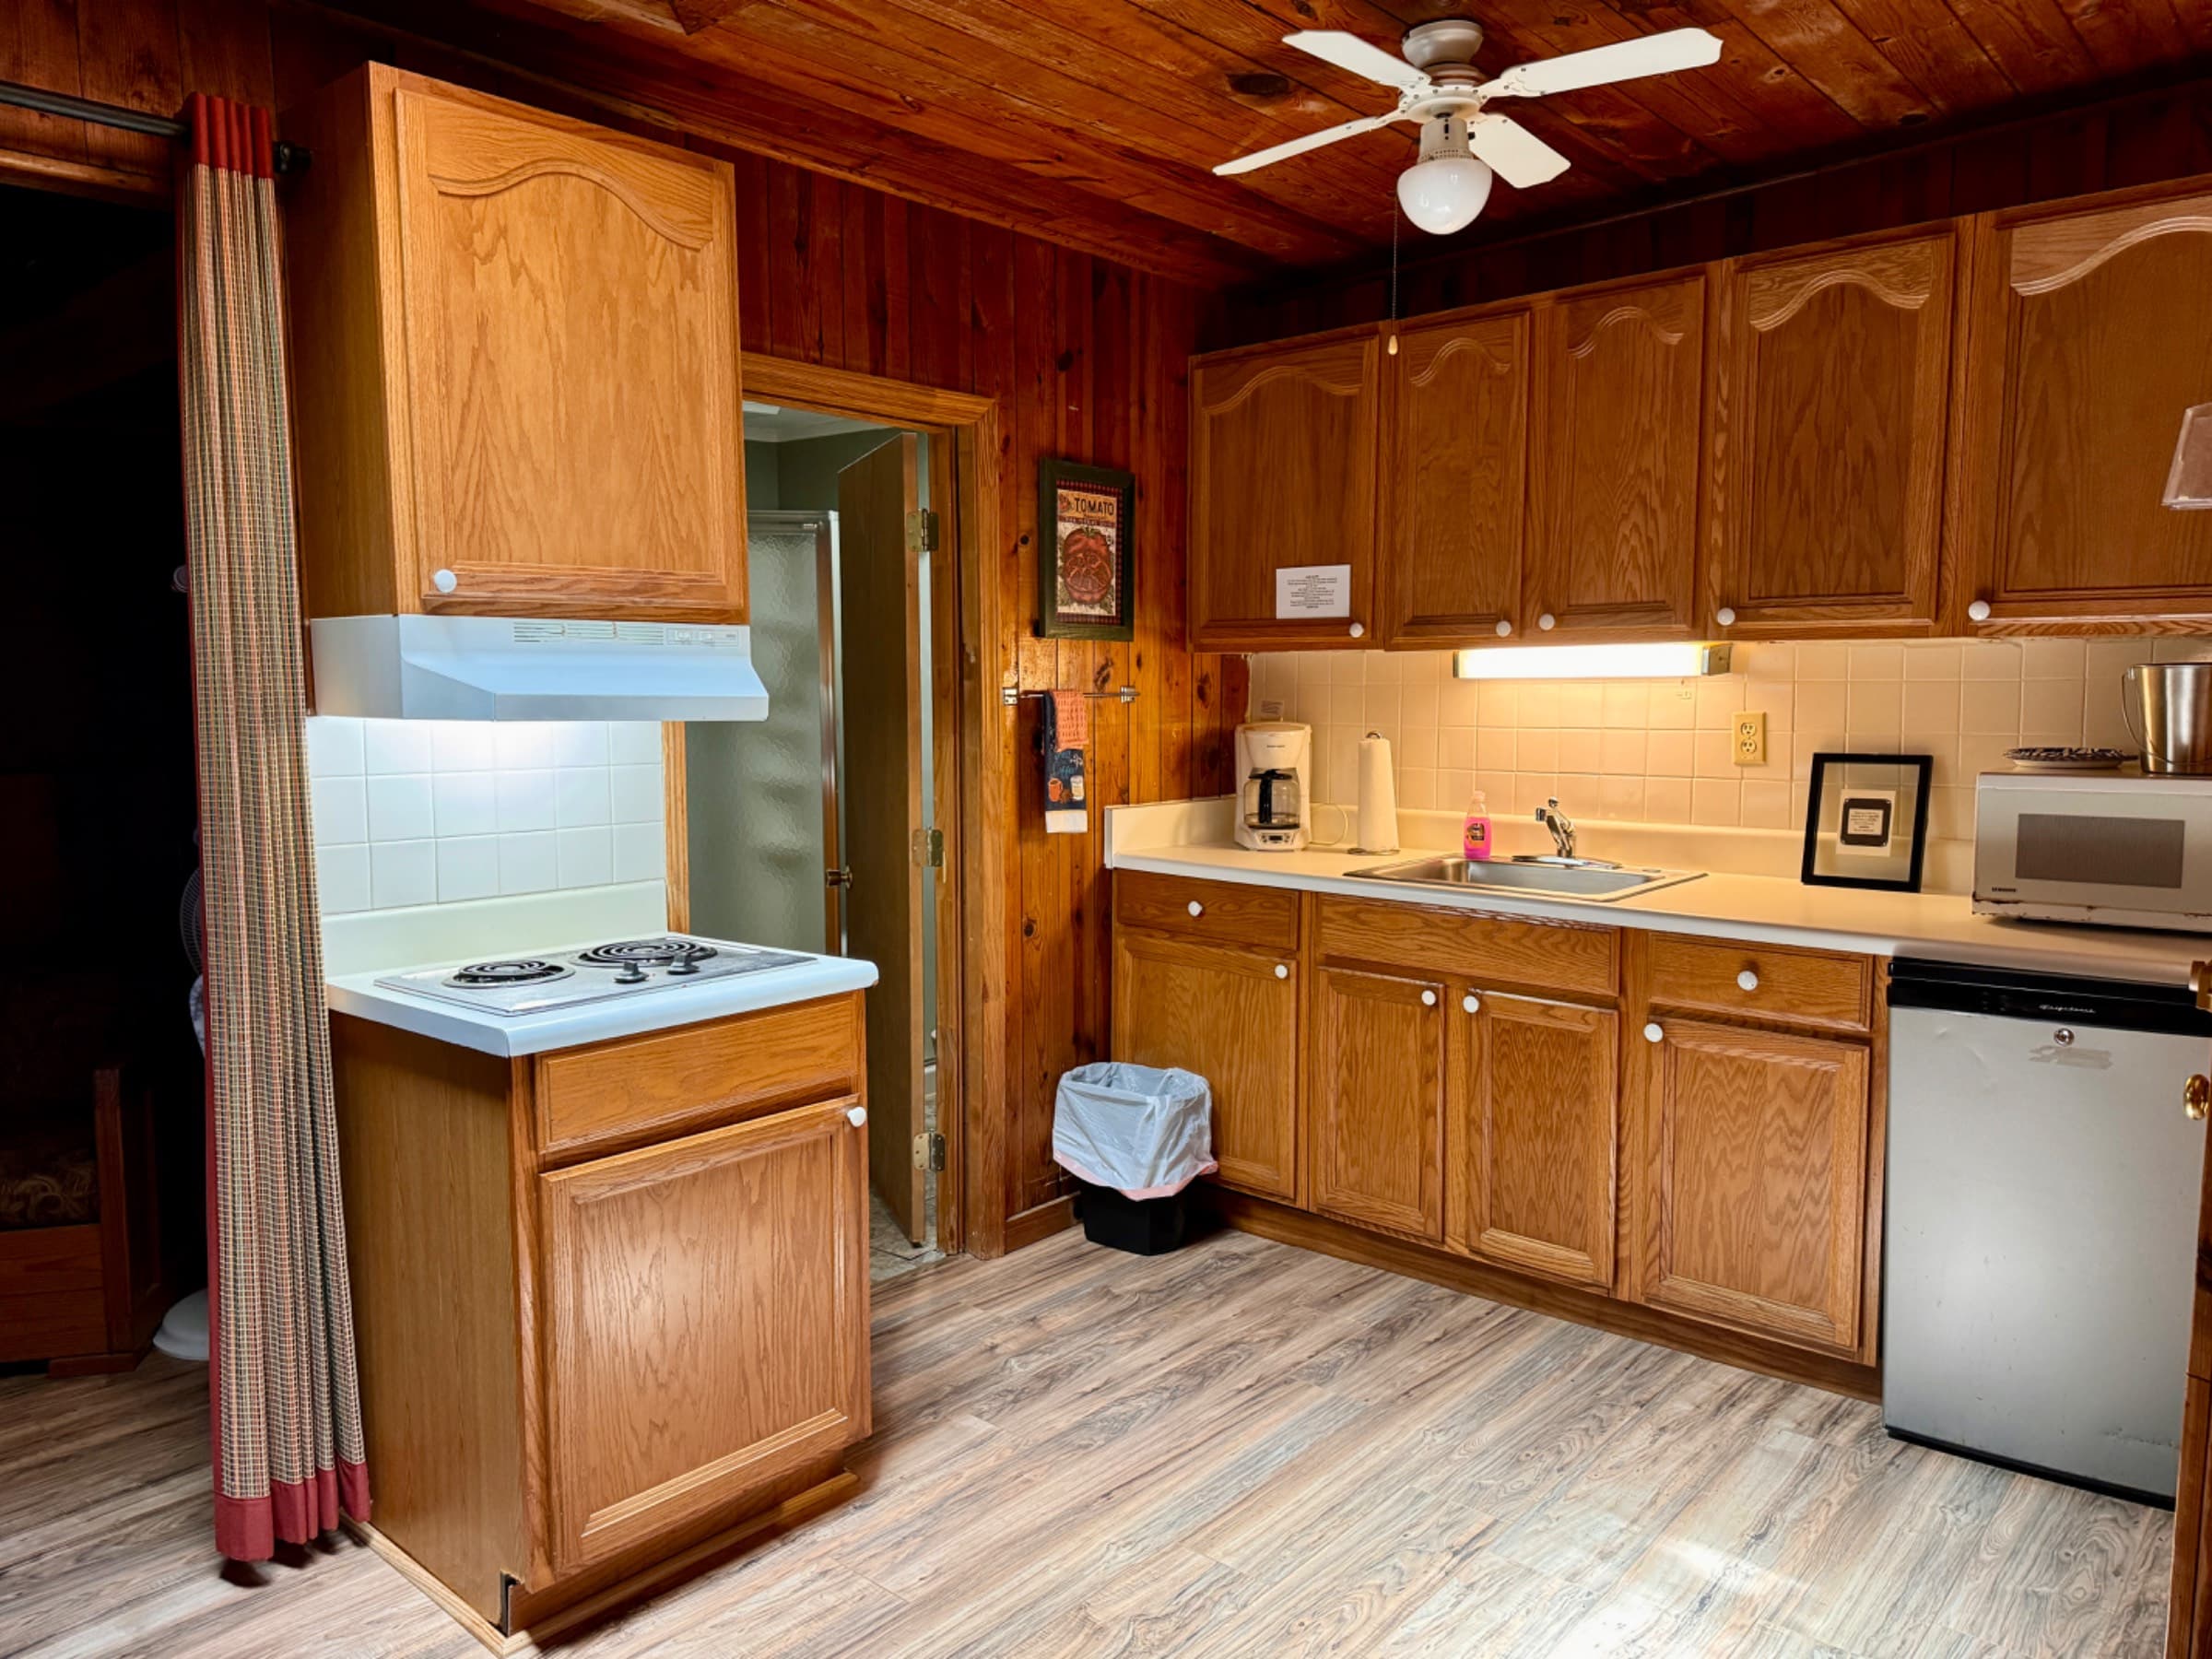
(676, 1081)
(1208, 909)
(1805, 986)
(1488, 950)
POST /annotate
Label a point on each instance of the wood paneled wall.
(1087, 357)
(2140, 139)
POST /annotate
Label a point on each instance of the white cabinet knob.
(1471, 1003)
(1504, 628)
(445, 581)
(1358, 632)
(1724, 616)
(1547, 621)
(1978, 610)
(1282, 971)
(1197, 909)
(1428, 999)
(1748, 980)
(1651, 1032)
(856, 1115)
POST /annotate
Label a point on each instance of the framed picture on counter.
(1866, 821)
(1086, 560)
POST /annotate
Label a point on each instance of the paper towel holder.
(1389, 784)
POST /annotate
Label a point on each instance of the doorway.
(817, 828)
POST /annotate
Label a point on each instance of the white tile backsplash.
(432, 812)
(1657, 751)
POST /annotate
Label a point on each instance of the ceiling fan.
(1461, 143)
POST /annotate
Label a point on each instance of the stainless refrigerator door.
(2042, 1240)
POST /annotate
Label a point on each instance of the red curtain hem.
(248, 1529)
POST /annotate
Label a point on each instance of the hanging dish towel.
(1064, 737)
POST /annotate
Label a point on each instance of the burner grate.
(645, 953)
(525, 972)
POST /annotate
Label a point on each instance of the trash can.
(1136, 1136)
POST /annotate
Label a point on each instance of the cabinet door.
(1620, 394)
(703, 1309)
(1283, 455)
(1750, 1180)
(568, 324)
(2090, 335)
(1454, 497)
(1532, 1136)
(1829, 412)
(1230, 1015)
(1378, 1100)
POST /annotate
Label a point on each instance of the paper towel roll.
(1378, 797)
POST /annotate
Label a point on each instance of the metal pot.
(2168, 710)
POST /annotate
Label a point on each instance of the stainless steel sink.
(1592, 879)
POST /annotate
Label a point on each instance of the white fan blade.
(1654, 54)
(1350, 52)
(1298, 147)
(1514, 153)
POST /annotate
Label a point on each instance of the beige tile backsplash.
(1657, 751)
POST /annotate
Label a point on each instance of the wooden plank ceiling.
(1093, 123)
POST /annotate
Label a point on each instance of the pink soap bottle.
(1474, 839)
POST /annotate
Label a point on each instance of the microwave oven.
(2118, 849)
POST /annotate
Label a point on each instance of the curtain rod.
(289, 158)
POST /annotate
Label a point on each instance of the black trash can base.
(1140, 1225)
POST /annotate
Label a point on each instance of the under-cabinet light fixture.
(1667, 660)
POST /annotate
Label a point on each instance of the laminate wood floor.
(1242, 1448)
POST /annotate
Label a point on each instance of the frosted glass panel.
(756, 788)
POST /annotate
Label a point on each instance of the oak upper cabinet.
(2088, 336)
(1284, 450)
(1615, 465)
(1748, 1172)
(515, 362)
(1532, 1132)
(1228, 1013)
(1454, 496)
(1831, 394)
(1377, 1092)
(705, 1313)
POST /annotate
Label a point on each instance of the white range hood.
(418, 668)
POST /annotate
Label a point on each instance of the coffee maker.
(1273, 763)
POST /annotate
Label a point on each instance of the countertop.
(1759, 909)
(656, 1010)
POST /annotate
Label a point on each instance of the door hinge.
(929, 1151)
(922, 531)
(839, 878)
(929, 849)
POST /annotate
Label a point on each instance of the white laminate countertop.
(1758, 909)
(655, 1010)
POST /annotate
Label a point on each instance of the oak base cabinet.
(581, 1356)
(1379, 1073)
(1231, 1014)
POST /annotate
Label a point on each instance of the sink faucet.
(1559, 824)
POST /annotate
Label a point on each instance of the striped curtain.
(288, 1455)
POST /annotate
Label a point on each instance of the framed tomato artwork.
(1086, 563)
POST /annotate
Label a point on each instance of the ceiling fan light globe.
(1444, 194)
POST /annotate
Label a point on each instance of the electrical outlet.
(1747, 739)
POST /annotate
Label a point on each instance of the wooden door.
(568, 323)
(1535, 1094)
(880, 576)
(1377, 1091)
(1749, 1178)
(1454, 495)
(1620, 394)
(1230, 1015)
(2090, 334)
(1831, 398)
(1284, 447)
(704, 1309)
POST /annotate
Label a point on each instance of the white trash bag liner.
(1144, 1130)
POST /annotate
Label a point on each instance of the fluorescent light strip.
(1669, 660)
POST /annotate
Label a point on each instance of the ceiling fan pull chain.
(1394, 281)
